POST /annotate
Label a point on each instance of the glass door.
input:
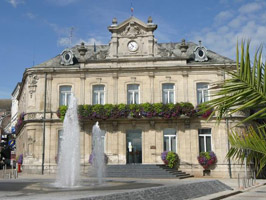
(134, 146)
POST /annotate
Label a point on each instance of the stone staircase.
(144, 171)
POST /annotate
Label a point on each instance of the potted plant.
(206, 160)
(170, 159)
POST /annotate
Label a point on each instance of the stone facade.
(133, 57)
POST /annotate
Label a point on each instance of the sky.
(34, 31)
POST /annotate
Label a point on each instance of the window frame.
(133, 94)
(168, 93)
(200, 90)
(205, 135)
(99, 95)
(170, 136)
(66, 93)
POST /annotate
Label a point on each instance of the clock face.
(133, 46)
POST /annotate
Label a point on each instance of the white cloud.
(30, 15)
(223, 16)
(250, 7)
(244, 25)
(14, 3)
(64, 42)
(62, 2)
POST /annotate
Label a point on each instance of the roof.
(5, 104)
(164, 51)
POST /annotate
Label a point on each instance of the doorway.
(134, 146)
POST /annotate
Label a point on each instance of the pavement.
(29, 186)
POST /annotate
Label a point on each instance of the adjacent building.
(132, 69)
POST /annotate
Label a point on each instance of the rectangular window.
(98, 94)
(205, 140)
(65, 92)
(202, 93)
(168, 93)
(133, 94)
(169, 139)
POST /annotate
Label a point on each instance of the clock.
(133, 46)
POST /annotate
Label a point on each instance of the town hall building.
(133, 69)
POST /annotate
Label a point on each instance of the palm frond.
(251, 142)
(245, 90)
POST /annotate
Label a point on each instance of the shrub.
(170, 159)
(207, 159)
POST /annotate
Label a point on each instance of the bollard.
(238, 181)
(244, 182)
(254, 178)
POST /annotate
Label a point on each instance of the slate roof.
(102, 51)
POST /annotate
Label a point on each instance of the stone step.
(143, 171)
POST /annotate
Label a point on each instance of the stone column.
(115, 88)
(185, 85)
(151, 75)
(82, 88)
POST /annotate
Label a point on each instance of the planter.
(206, 172)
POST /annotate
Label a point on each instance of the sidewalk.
(258, 191)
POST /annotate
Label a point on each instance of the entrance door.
(134, 147)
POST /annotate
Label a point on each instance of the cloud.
(30, 15)
(62, 2)
(65, 41)
(14, 3)
(243, 24)
(250, 7)
(223, 16)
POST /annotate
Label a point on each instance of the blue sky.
(33, 31)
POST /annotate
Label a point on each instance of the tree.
(244, 90)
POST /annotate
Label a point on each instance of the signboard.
(11, 143)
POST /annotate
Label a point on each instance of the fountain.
(97, 158)
(68, 173)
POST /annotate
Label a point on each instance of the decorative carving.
(67, 57)
(163, 52)
(200, 53)
(33, 80)
(100, 55)
(152, 124)
(132, 30)
(31, 116)
(82, 49)
(183, 46)
(115, 125)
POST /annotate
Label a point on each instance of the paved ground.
(41, 187)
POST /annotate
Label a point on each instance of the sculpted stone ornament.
(132, 30)
(33, 80)
(164, 52)
(100, 55)
(67, 57)
(200, 53)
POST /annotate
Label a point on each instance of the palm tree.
(245, 90)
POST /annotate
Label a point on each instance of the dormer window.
(200, 53)
(67, 57)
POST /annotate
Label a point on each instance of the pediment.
(132, 27)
